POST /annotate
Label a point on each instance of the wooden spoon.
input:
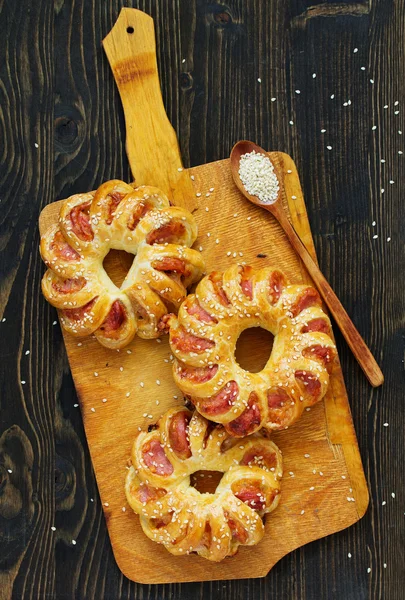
(350, 333)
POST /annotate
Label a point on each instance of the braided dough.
(203, 340)
(177, 515)
(139, 221)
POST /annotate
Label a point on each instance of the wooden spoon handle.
(356, 343)
(152, 147)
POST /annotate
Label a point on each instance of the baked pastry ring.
(139, 221)
(203, 340)
(177, 515)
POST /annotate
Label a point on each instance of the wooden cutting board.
(324, 488)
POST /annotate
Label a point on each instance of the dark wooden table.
(323, 81)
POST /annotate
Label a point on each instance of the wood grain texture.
(57, 91)
(127, 390)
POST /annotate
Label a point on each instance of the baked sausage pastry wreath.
(177, 515)
(139, 221)
(203, 340)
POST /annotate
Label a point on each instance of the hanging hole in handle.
(130, 29)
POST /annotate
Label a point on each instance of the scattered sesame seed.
(313, 75)
(302, 512)
(36, 145)
(54, 323)
(393, 494)
(329, 147)
(142, 384)
(75, 405)
(323, 130)
(374, 127)
(298, 91)
(27, 352)
(10, 470)
(183, 61)
(104, 400)
(123, 509)
(53, 528)
(93, 409)
(179, 169)
(23, 382)
(291, 122)
(157, 381)
(349, 555)
(369, 570)
(385, 565)
(355, 50)
(273, 99)
(74, 542)
(333, 95)
(95, 374)
(375, 237)
(307, 455)
(106, 504)
(371, 80)
(385, 424)
(363, 68)
(373, 223)
(259, 80)
(388, 240)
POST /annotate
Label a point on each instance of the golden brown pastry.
(203, 340)
(177, 515)
(139, 221)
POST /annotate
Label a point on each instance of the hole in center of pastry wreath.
(253, 349)
(206, 482)
(117, 264)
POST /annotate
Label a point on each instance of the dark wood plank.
(56, 91)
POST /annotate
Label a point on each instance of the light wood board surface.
(325, 433)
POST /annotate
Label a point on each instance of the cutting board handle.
(152, 146)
